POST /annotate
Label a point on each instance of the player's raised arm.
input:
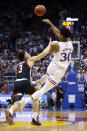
(55, 30)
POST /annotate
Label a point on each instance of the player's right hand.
(46, 21)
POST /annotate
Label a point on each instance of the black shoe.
(9, 118)
(36, 123)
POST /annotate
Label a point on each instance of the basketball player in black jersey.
(23, 85)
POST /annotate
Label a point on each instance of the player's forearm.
(41, 55)
(38, 57)
(55, 30)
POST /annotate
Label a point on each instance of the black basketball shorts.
(21, 88)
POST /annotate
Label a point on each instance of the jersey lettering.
(20, 68)
(66, 56)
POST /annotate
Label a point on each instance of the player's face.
(26, 55)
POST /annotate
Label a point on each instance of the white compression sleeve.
(48, 86)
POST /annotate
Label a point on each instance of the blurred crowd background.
(21, 29)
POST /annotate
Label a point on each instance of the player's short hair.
(65, 32)
(21, 55)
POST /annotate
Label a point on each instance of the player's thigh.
(28, 89)
(17, 87)
(57, 75)
(17, 93)
(51, 68)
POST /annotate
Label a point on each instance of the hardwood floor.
(51, 120)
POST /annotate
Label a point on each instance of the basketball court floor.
(51, 120)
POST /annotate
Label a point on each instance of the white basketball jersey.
(63, 57)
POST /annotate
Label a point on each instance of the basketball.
(40, 10)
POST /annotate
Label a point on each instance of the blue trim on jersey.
(52, 81)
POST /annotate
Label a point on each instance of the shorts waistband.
(21, 79)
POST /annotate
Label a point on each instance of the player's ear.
(50, 40)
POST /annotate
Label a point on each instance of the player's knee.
(35, 96)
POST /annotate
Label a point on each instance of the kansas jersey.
(23, 70)
(63, 56)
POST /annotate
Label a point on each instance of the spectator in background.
(5, 87)
(1, 87)
(85, 97)
(43, 103)
(54, 98)
(81, 76)
(60, 95)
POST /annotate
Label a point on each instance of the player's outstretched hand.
(47, 21)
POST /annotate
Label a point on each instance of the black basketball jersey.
(23, 70)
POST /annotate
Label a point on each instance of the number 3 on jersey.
(66, 56)
(20, 69)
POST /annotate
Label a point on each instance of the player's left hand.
(27, 56)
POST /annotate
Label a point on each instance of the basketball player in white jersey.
(62, 56)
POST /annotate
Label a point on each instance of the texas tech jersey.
(23, 70)
(63, 56)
